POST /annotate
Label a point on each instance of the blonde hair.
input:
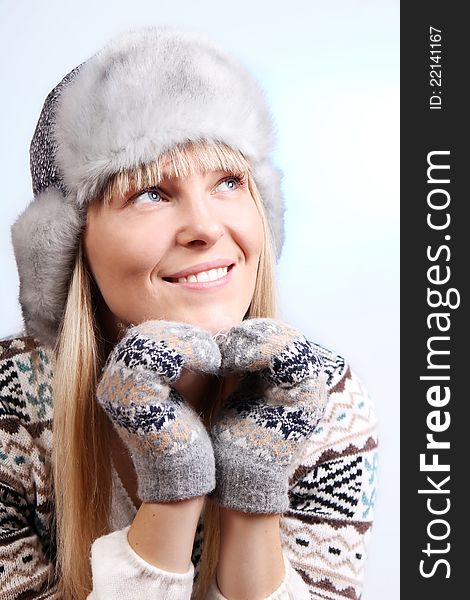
(81, 456)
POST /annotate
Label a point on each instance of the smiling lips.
(202, 273)
(211, 275)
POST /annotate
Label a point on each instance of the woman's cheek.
(136, 250)
(251, 234)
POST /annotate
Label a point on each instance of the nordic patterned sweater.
(324, 532)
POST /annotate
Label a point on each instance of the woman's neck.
(197, 389)
(205, 393)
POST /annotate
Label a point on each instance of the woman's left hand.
(270, 415)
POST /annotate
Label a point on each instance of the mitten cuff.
(250, 486)
(172, 477)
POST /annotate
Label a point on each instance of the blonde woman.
(164, 434)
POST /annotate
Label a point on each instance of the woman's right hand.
(169, 445)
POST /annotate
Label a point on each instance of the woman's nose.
(199, 225)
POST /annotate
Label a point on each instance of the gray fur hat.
(143, 93)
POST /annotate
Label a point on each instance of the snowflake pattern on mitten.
(165, 436)
(273, 411)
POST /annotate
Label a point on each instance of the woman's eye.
(152, 196)
(231, 183)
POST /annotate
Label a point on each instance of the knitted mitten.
(169, 445)
(269, 416)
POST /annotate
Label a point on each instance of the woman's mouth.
(208, 275)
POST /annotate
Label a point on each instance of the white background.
(331, 71)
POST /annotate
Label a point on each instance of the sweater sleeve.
(26, 553)
(292, 587)
(119, 572)
(326, 530)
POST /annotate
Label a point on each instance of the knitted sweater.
(324, 532)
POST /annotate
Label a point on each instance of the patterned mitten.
(270, 415)
(169, 445)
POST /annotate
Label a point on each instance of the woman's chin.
(215, 324)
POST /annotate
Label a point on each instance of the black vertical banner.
(435, 257)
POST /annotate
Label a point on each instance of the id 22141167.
(435, 70)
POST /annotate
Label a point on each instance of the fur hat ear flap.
(45, 240)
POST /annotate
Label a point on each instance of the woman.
(201, 447)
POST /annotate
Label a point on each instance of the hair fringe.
(180, 161)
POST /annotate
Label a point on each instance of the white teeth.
(211, 275)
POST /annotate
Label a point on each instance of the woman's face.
(185, 251)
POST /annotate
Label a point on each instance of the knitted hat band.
(142, 94)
